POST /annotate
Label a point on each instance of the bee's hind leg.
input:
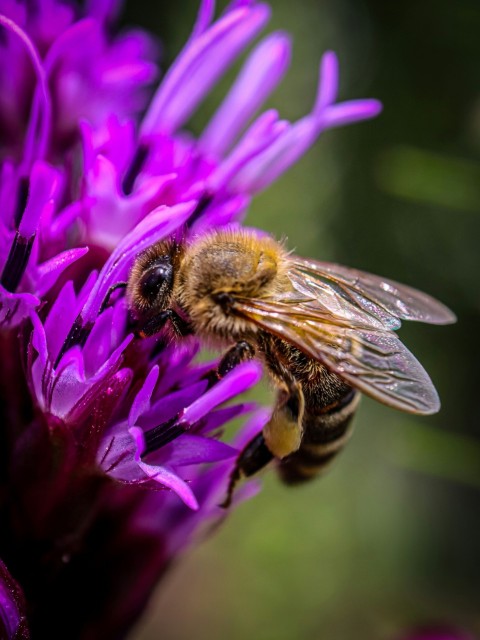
(252, 458)
(280, 437)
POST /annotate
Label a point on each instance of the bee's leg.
(159, 320)
(283, 432)
(240, 352)
(252, 458)
(281, 436)
(164, 433)
(113, 288)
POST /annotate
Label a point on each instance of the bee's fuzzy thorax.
(236, 262)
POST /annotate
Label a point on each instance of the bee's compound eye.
(155, 279)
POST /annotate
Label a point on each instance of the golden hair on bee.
(222, 267)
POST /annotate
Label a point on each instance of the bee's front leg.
(280, 437)
(156, 323)
(108, 295)
(240, 352)
(252, 458)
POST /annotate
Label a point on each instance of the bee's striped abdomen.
(324, 435)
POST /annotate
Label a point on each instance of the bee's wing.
(346, 292)
(371, 359)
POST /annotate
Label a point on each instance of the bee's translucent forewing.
(347, 291)
(371, 359)
(378, 364)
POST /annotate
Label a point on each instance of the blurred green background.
(389, 539)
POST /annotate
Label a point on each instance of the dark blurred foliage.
(390, 538)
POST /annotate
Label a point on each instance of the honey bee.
(323, 331)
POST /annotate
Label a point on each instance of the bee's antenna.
(235, 477)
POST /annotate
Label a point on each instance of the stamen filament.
(161, 435)
(77, 335)
(16, 262)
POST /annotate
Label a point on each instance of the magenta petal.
(84, 60)
(13, 622)
(139, 441)
(116, 141)
(174, 367)
(141, 404)
(236, 4)
(254, 425)
(287, 148)
(95, 384)
(191, 449)
(169, 479)
(39, 340)
(110, 215)
(328, 85)
(262, 72)
(69, 385)
(166, 408)
(104, 10)
(211, 487)
(39, 126)
(218, 418)
(130, 73)
(260, 135)
(99, 343)
(344, 113)
(117, 451)
(199, 66)
(15, 307)
(8, 191)
(141, 472)
(44, 182)
(49, 272)
(239, 380)
(63, 222)
(229, 212)
(284, 151)
(204, 18)
(60, 318)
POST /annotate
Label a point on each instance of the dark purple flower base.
(67, 535)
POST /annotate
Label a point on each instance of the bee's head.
(156, 282)
(151, 280)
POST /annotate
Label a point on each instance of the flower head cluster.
(84, 187)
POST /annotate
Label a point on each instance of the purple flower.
(112, 444)
(13, 621)
(89, 74)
